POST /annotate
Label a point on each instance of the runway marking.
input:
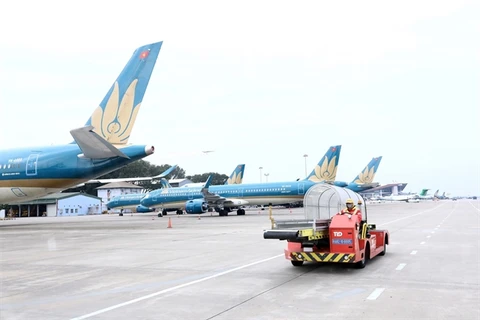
(414, 252)
(433, 231)
(438, 226)
(174, 288)
(423, 242)
(474, 207)
(413, 215)
(400, 266)
(375, 294)
(428, 236)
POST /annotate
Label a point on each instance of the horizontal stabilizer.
(93, 145)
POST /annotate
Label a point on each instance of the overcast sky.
(260, 83)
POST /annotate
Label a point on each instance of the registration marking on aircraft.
(375, 294)
(414, 252)
(400, 266)
(86, 316)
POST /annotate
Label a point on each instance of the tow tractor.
(324, 236)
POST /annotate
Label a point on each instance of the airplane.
(100, 147)
(442, 197)
(422, 195)
(132, 201)
(363, 181)
(225, 197)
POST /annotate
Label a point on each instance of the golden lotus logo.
(366, 176)
(236, 178)
(326, 172)
(115, 121)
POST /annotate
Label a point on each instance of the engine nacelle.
(142, 209)
(196, 206)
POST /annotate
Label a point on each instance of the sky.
(261, 83)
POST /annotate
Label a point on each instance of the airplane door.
(31, 169)
(190, 195)
(301, 188)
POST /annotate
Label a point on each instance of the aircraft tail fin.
(114, 118)
(326, 169)
(423, 192)
(366, 176)
(237, 175)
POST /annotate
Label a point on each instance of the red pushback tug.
(325, 236)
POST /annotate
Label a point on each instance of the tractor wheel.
(297, 263)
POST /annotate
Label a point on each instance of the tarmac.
(211, 267)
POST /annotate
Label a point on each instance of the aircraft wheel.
(120, 214)
(159, 215)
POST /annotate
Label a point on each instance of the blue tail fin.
(367, 175)
(326, 169)
(237, 175)
(114, 118)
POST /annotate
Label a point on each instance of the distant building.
(385, 190)
(58, 205)
(179, 182)
(114, 189)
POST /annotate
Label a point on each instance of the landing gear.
(121, 213)
(241, 212)
(164, 212)
(179, 211)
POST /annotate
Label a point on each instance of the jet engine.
(196, 206)
(142, 209)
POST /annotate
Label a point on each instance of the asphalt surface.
(210, 267)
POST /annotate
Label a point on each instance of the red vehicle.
(339, 239)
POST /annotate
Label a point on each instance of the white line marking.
(400, 266)
(438, 226)
(375, 294)
(413, 215)
(433, 231)
(428, 236)
(423, 242)
(174, 288)
(414, 252)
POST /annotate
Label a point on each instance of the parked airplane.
(98, 148)
(132, 201)
(224, 198)
(364, 180)
(422, 195)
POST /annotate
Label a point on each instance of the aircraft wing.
(161, 175)
(93, 145)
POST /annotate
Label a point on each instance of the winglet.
(94, 146)
(207, 183)
(165, 173)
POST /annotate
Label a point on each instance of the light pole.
(305, 156)
(266, 176)
(260, 174)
